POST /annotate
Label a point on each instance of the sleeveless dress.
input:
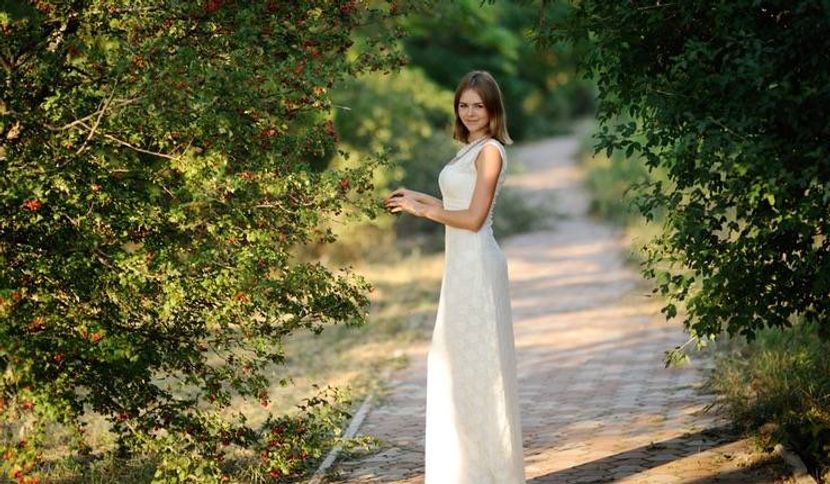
(473, 426)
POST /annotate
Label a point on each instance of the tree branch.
(119, 103)
(131, 146)
(98, 120)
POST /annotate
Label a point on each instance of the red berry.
(139, 61)
(43, 6)
(33, 205)
(211, 6)
(330, 129)
(347, 8)
(344, 185)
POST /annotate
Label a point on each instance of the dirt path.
(597, 403)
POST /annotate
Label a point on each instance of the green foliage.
(541, 94)
(289, 445)
(407, 117)
(162, 164)
(780, 385)
(610, 180)
(727, 97)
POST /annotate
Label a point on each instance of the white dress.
(473, 427)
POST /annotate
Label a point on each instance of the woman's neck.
(473, 137)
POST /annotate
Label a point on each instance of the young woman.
(473, 427)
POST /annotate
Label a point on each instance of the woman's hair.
(483, 83)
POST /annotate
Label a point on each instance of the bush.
(716, 95)
(162, 165)
(612, 182)
(409, 119)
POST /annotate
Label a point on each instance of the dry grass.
(403, 306)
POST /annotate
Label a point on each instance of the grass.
(778, 388)
(403, 305)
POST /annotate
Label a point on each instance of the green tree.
(163, 164)
(407, 117)
(541, 93)
(728, 98)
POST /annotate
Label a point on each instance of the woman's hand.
(405, 192)
(419, 197)
(403, 200)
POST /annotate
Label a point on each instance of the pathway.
(597, 403)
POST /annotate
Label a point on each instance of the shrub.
(725, 96)
(162, 165)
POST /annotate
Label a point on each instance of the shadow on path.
(634, 461)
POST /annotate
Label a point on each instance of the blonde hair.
(485, 85)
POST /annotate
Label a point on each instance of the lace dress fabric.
(473, 427)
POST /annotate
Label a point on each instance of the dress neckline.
(477, 140)
(467, 148)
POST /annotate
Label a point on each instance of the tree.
(409, 118)
(729, 98)
(541, 95)
(163, 164)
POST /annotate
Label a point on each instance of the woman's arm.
(488, 166)
(428, 199)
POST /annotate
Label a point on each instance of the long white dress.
(473, 426)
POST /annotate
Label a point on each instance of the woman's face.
(472, 112)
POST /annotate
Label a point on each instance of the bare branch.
(656, 5)
(270, 205)
(97, 120)
(131, 146)
(119, 103)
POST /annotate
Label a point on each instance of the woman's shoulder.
(497, 143)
